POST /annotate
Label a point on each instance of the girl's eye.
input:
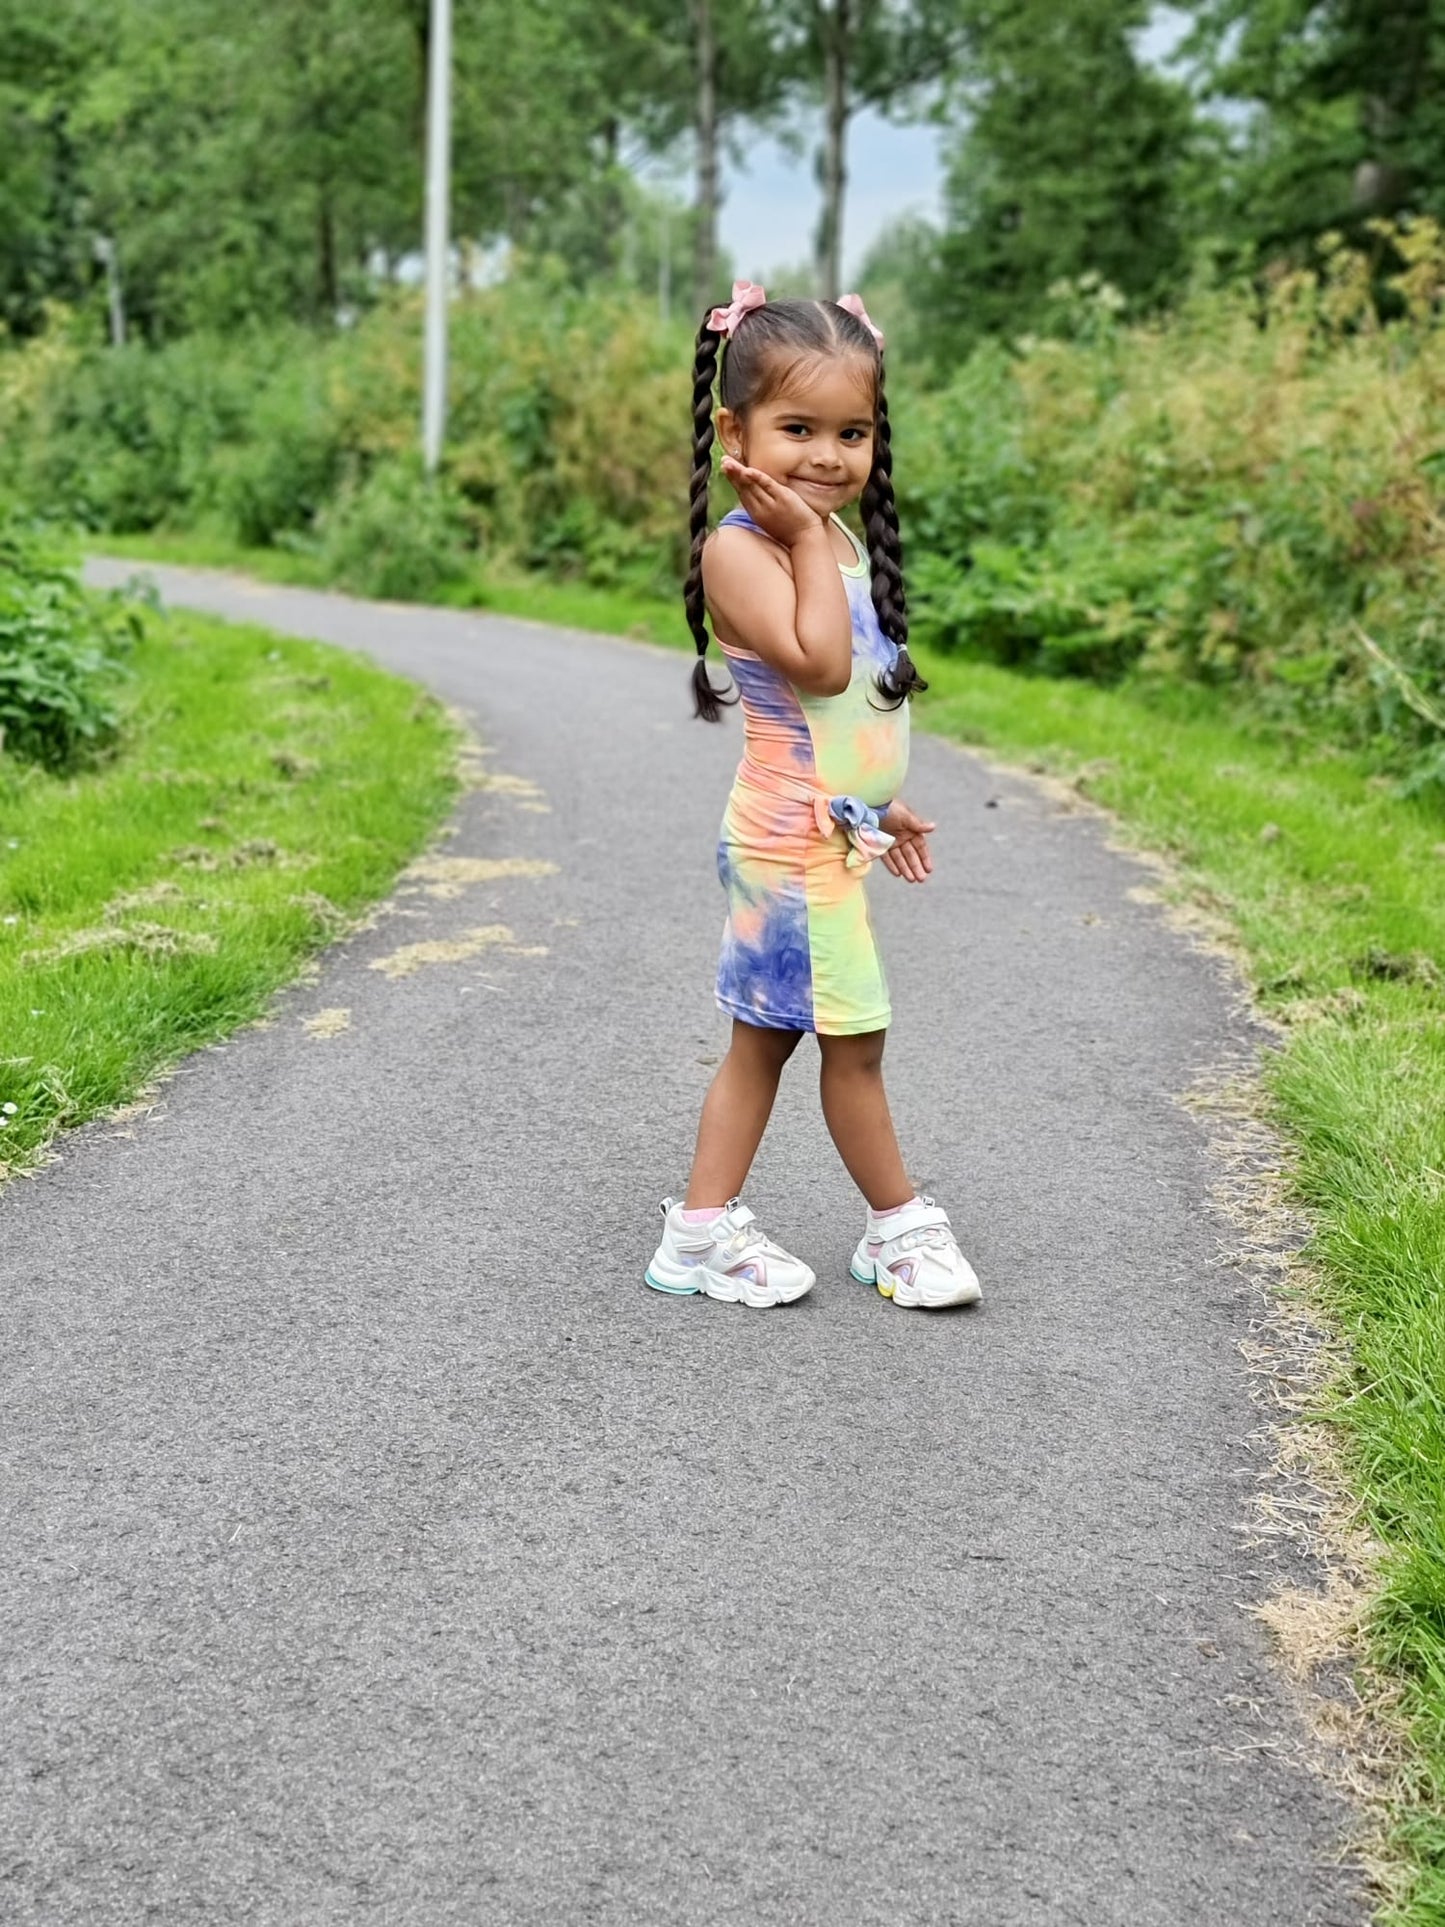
(795, 428)
(854, 434)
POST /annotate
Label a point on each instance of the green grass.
(1335, 887)
(502, 589)
(266, 790)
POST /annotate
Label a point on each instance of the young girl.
(815, 633)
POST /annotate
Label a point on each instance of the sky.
(769, 214)
(770, 208)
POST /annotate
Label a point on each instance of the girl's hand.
(910, 857)
(778, 510)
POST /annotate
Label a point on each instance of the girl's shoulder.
(737, 527)
(737, 543)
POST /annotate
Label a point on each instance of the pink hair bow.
(747, 295)
(853, 303)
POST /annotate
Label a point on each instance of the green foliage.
(59, 651)
(1248, 495)
(395, 535)
(264, 162)
(1072, 161)
(282, 462)
(267, 789)
(1347, 119)
(564, 439)
(121, 440)
(45, 250)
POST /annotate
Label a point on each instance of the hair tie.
(853, 304)
(746, 296)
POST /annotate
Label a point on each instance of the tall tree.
(705, 121)
(247, 161)
(1348, 109)
(883, 54)
(257, 161)
(1070, 161)
(712, 70)
(46, 247)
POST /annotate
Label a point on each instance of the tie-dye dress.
(798, 950)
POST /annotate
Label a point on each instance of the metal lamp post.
(438, 186)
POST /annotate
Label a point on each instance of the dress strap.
(739, 518)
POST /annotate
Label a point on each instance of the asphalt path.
(380, 1550)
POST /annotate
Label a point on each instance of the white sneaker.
(729, 1258)
(919, 1262)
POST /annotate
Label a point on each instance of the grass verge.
(266, 791)
(1334, 887)
(503, 590)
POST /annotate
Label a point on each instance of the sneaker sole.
(673, 1291)
(728, 1291)
(969, 1295)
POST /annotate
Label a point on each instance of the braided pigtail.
(885, 553)
(706, 699)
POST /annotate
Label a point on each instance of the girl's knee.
(861, 1054)
(758, 1042)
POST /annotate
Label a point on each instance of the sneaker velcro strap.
(924, 1216)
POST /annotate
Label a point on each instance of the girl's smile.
(815, 435)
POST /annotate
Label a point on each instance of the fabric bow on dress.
(860, 825)
(858, 820)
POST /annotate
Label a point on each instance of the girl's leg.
(855, 1107)
(735, 1113)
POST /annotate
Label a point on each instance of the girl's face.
(815, 435)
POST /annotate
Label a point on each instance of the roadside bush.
(396, 535)
(1245, 496)
(60, 650)
(124, 439)
(275, 475)
(1248, 493)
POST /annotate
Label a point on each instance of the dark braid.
(885, 552)
(706, 699)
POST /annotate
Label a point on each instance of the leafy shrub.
(59, 650)
(396, 535)
(124, 441)
(1245, 495)
(275, 478)
(1248, 493)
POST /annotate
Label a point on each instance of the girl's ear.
(730, 431)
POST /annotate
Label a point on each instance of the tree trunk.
(327, 287)
(706, 204)
(834, 24)
(611, 210)
(420, 18)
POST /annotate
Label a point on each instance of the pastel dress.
(798, 949)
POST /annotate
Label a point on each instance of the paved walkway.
(380, 1551)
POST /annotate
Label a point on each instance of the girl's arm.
(785, 603)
